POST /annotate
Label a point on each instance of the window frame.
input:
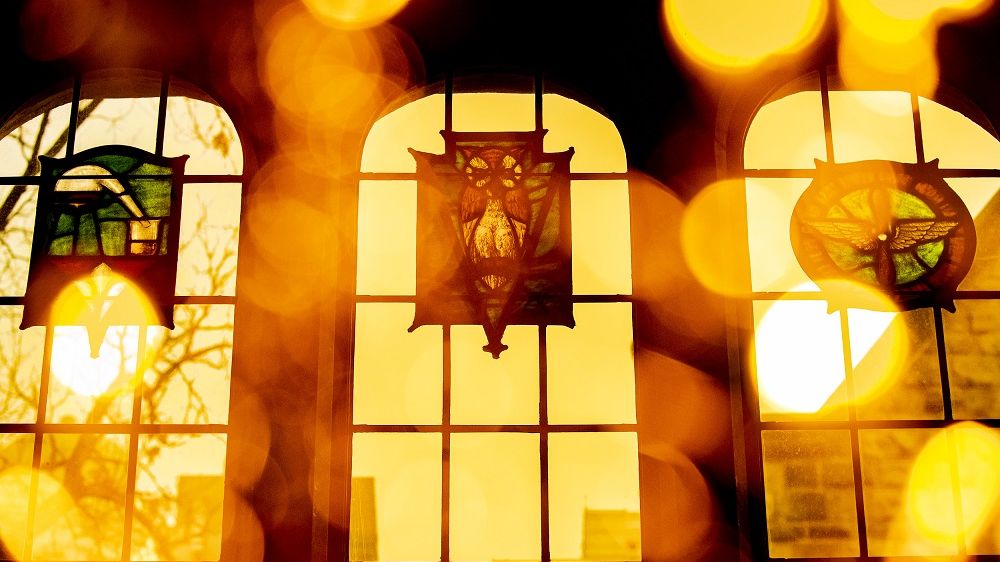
(736, 114)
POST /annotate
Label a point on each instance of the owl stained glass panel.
(897, 227)
(107, 209)
(493, 234)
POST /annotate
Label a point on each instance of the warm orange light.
(800, 354)
(736, 35)
(97, 324)
(354, 14)
(970, 453)
(711, 238)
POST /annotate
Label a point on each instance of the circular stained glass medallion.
(898, 227)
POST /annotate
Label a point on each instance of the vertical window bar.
(449, 90)
(74, 111)
(852, 416)
(161, 117)
(824, 92)
(133, 447)
(918, 132)
(539, 91)
(943, 364)
(36, 455)
(543, 439)
(446, 445)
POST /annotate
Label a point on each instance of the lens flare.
(736, 35)
(799, 349)
(711, 238)
(354, 14)
(962, 458)
(97, 321)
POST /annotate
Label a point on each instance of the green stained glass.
(150, 169)
(62, 246)
(907, 268)
(86, 239)
(154, 194)
(113, 238)
(931, 253)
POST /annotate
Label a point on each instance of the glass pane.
(397, 374)
(787, 133)
(773, 266)
(46, 131)
(887, 384)
(909, 495)
(15, 238)
(493, 111)
(492, 391)
(602, 251)
(977, 452)
(80, 506)
(971, 341)
(387, 238)
(15, 488)
(809, 494)
(20, 367)
(396, 499)
(128, 121)
(209, 239)
(594, 496)
(178, 497)
(872, 125)
(591, 367)
(799, 356)
(415, 125)
(203, 131)
(189, 380)
(956, 140)
(86, 389)
(979, 195)
(495, 498)
(598, 145)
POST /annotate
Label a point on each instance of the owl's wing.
(473, 204)
(857, 234)
(909, 234)
(516, 205)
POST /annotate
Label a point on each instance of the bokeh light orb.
(736, 35)
(354, 14)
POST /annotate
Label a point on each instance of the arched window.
(847, 404)
(457, 455)
(113, 443)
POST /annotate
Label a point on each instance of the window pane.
(591, 368)
(602, 252)
(203, 131)
(977, 453)
(971, 339)
(799, 357)
(209, 239)
(178, 497)
(773, 266)
(80, 504)
(415, 125)
(809, 494)
(396, 505)
(397, 374)
(15, 488)
(979, 195)
(956, 140)
(495, 499)
(20, 367)
(492, 111)
(17, 147)
(872, 125)
(492, 391)
(15, 238)
(787, 133)
(598, 145)
(189, 380)
(888, 385)
(85, 389)
(128, 121)
(387, 237)
(908, 511)
(594, 496)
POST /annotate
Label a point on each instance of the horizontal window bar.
(455, 428)
(112, 428)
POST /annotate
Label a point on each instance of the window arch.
(459, 456)
(117, 451)
(846, 409)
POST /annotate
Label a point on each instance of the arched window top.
(595, 138)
